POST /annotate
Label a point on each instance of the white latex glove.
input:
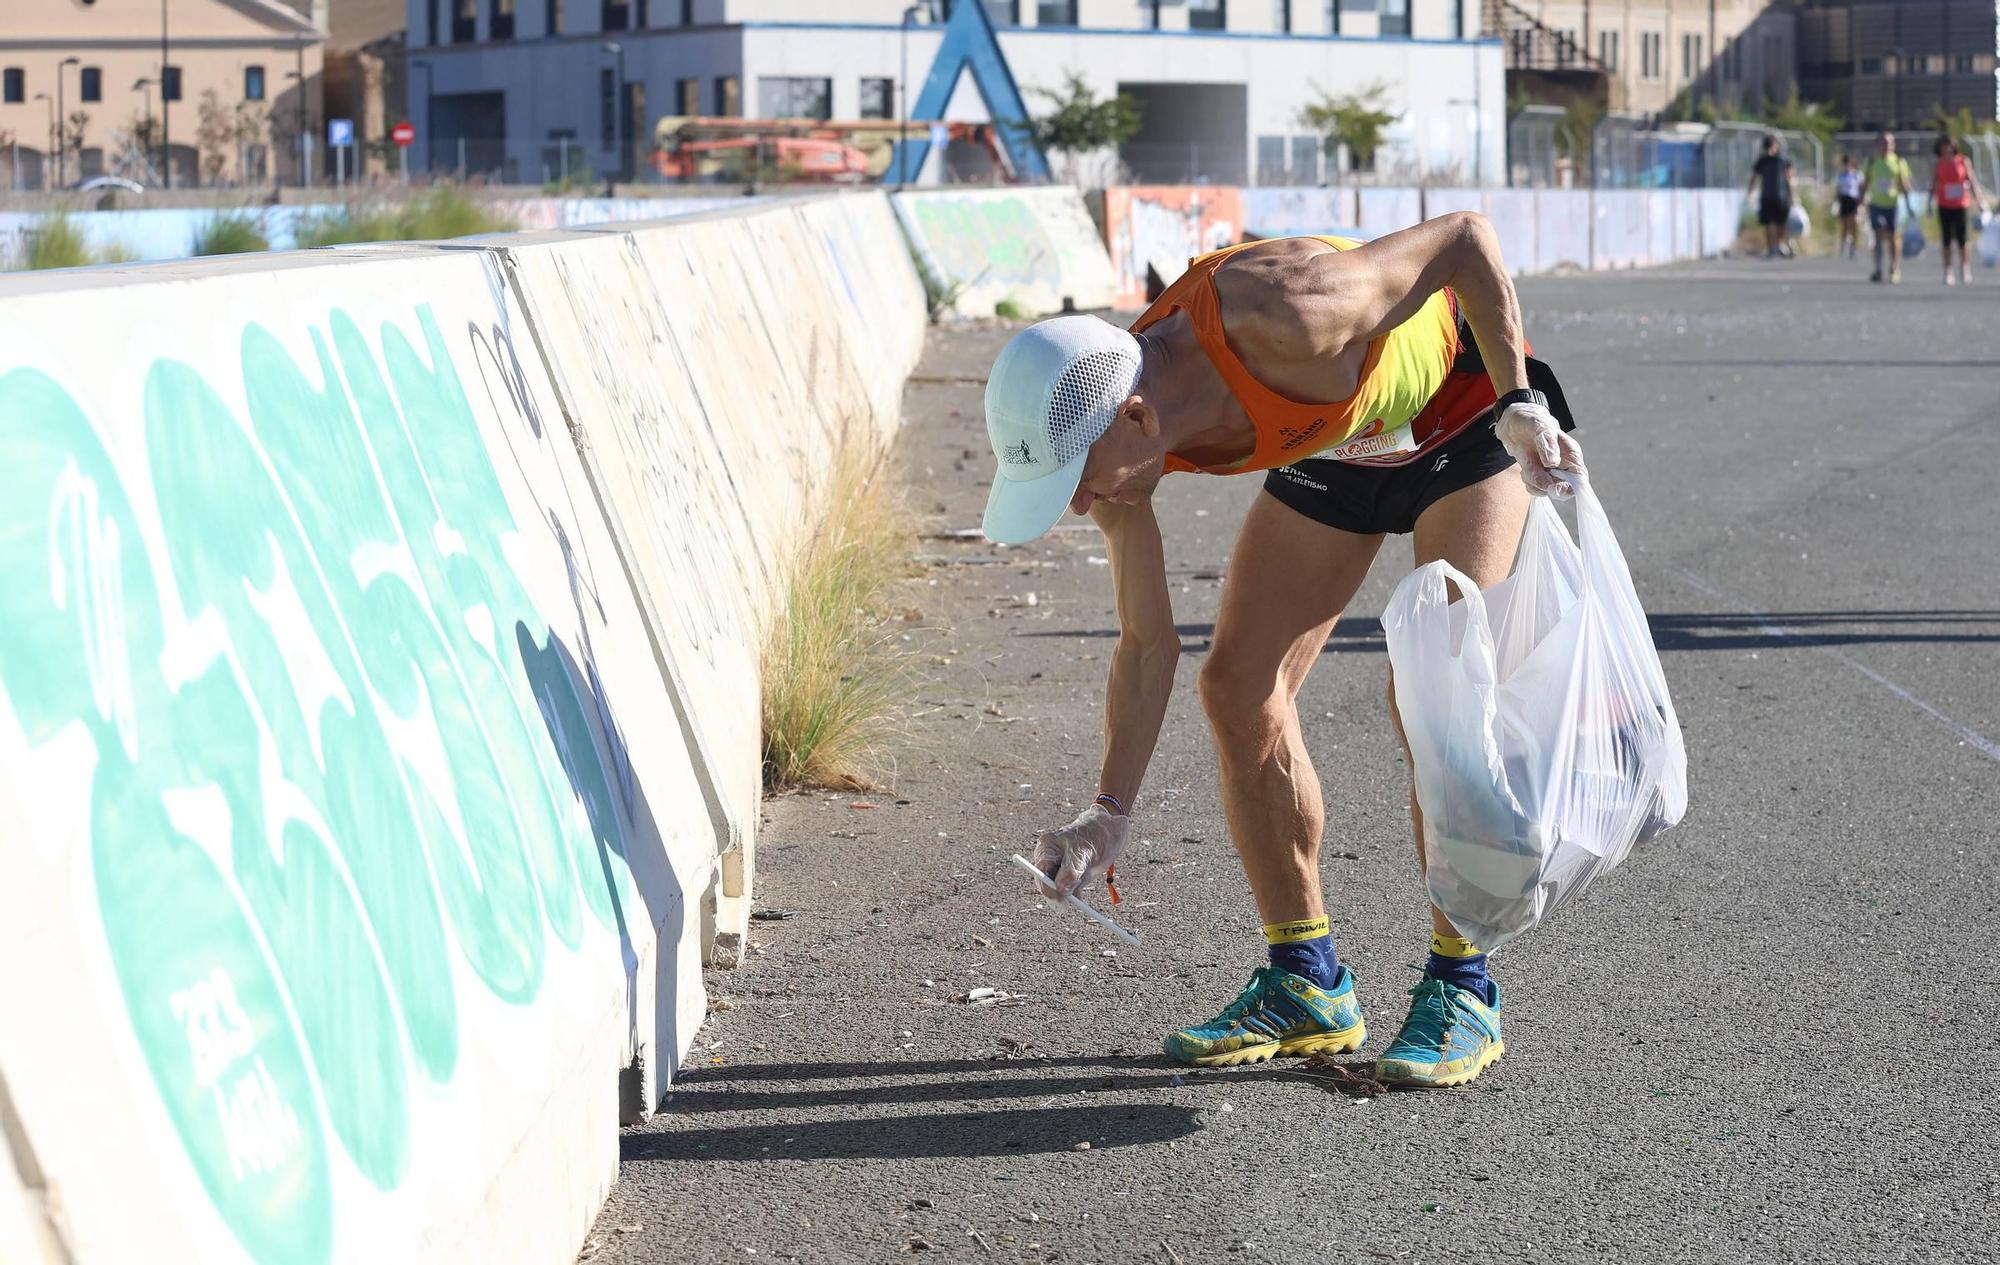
(1077, 855)
(1535, 440)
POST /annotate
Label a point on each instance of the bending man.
(1413, 343)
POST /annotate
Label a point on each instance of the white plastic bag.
(1989, 242)
(1913, 234)
(1798, 223)
(1544, 742)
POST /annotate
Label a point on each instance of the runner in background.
(1771, 178)
(1847, 191)
(1888, 179)
(1954, 192)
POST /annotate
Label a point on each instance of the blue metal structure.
(969, 43)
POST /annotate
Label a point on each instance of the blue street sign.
(339, 133)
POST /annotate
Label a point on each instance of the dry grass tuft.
(835, 676)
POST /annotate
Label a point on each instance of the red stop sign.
(404, 134)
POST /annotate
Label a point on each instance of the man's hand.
(1534, 439)
(1076, 855)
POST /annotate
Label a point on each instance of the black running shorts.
(1951, 225)
(1370, 500)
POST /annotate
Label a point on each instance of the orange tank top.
(1401, 375)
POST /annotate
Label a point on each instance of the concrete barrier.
(1300, 212)
(1619, 228)
(1032, 248)
(158, 234)
(1156, 229)
(375, 657)
(1386, 210)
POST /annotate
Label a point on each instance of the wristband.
(1106, 797)
(1520, 395)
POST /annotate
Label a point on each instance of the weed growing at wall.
(58, 243)
(940, 295)
(834, 675)
(438, 213)
(237, 234)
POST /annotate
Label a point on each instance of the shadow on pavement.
(1688, 631)
(929, 1135)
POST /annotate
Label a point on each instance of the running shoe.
(1279, 1013)
(1449, 1038)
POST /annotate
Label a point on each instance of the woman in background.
(1847, 192)
(1954, 192)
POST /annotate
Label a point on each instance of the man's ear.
(1142, 415)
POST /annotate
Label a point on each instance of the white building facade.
(532, 88)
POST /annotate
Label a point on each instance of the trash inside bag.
(1913, 236)
(1544, 743)
(1798, 223)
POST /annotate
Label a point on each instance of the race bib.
(1954, 193)
(1400, 440)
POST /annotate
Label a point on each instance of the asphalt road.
(1769, 1036)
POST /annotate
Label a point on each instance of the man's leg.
(1289, 579)
(1453, 1029)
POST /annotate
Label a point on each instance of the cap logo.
(1017, 454)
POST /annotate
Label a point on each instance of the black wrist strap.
(1520, 395)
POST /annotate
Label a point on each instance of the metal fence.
(1532, 157)
(1981, 150)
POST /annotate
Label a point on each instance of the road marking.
(1986, 746)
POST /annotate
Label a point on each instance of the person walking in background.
(1954, 192)
(1847, 193)
(1888, 180)
(1771, 179)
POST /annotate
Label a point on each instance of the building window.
(878, 98)
(13, 85)
(1149, 14)
(464, 21)
(90, 86)
(500, 22)
(607, 105)
(687, 97)
(170, 83)
(1607, 50)
(728, 96)
(1061, 13)
(432, 6)
(552, 18)
(253, 83)
(1208, 15)
(1003, 12)
(1961, 64)
(615, 16)
(1281, 16)
(1522, 41)
(794, 97)
(1690, 56)
(1871, 65)
(1395, 17)
(1333, 17)
(687, 12)
(1565, 47)
(1649, 54)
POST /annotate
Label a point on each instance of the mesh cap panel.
(1085, 399)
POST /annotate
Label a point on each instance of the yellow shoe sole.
(1410, 1076)
(1295, 1047)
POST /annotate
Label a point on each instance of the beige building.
(93, 87)
(1738, 53)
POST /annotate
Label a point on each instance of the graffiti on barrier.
(985, 241)
(328, 749)
(1160, 228)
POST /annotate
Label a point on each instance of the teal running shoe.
(1279, 1013)
(1450, 1037)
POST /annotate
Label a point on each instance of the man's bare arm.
(1148, 650)
(1376, 287)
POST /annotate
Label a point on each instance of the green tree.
(1080, 122)
(1573, 133)
(1356, 120)
(1958, 125)
(1794, 115)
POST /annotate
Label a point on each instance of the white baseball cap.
(1054, 390)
